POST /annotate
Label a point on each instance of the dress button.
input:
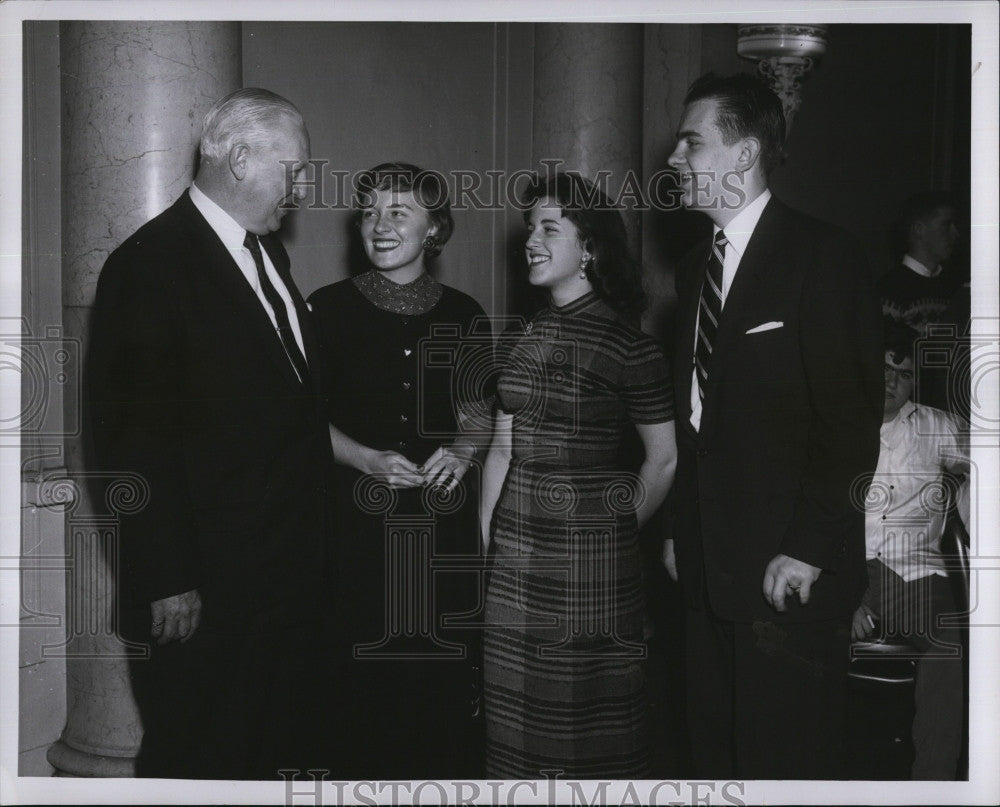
(407, 352)
(407, 385)
(403, 419)
(402, 444)
(702, 452)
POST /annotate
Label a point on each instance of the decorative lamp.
(784, 54)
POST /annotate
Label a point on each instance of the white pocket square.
(767, 326)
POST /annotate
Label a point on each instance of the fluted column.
(133, 96)
(588, 102)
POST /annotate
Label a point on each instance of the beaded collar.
(416, 297)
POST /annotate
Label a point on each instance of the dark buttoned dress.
(406, 585)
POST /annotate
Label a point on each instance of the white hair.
(248, 115)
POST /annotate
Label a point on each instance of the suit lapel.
(762, 254)
(239, 297)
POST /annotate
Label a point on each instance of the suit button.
(407, 352)
(403, 419)
(407, 385)
(402, 444)
(702, 452)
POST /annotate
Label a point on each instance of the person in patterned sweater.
(919, 290)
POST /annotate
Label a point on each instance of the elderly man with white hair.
(202, 379)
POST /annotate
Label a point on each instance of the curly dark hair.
(899, 339)
(429, 189)
(614, 274)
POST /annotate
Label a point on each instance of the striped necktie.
(709, 310)
(285, 332)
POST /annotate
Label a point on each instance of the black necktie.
(709, 310)
(280, 312)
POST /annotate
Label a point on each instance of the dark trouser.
(228, 706)
(912, 611)
(766, 700)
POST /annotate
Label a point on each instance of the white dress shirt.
(738, 233)
(232, 237)
(905, 511)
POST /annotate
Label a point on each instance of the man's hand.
(176, 617)
(784, 576)
(669, 558)
(864, 623)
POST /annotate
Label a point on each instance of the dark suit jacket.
(790, 420)
(188, 385)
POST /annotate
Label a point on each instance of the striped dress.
(564, 608)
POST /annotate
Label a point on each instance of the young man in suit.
(779, 388)
(201, 378)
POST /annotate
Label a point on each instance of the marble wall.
(588, 98)
(127, 152)
(451, 97)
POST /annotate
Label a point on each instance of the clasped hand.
(443, 469)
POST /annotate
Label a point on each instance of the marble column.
(588, 103)
(133, 97)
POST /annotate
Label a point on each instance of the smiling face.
(393, 229)
(898, 384)
(554, 252)
(270, 169)
(710, 170)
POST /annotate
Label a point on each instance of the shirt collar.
(912, 263)
(225, 226)
(739, 230)
(902, 417)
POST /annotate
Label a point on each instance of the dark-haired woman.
(406, 436)
(563, 645)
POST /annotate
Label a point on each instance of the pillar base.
(69, 761)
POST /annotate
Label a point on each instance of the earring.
(429, 243)
(584, 263)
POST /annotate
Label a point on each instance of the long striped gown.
(564, 688)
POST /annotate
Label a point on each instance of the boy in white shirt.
(922, 473)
